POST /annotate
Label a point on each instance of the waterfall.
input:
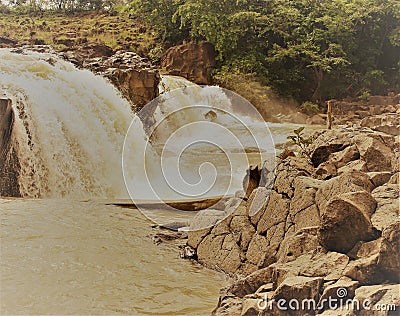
(76, 137)
(69, 127)
(205, 138)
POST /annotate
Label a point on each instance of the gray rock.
(344, 289)
(201, 225)
(299, 288)
(378, 260)
(346, 220)
(379, 300)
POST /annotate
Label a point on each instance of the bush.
(309, 108)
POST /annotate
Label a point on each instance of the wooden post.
(329, 115)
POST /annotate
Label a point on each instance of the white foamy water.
(204, 145)
(69, 127)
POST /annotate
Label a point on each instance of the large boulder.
(229, 306)
(201, 225)
(353, 181)
(257, 202)
(287, 171)
(275, 212)
(327, 143)
(293, 246)
(388, 123)
(375, 153)
(193, 61)
(303, 211)
(79, 54)
(345, 220)
(250, 283)
(344, 289)
(337, 160)
(378, 260)
(329, 266)
(220, 252)
(134, 76)
(260, 252)
(298, 289)
(387, 211)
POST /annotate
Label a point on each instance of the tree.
(307, 49)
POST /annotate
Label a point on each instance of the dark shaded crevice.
(322, 153)
(9, 163)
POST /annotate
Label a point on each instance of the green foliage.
(156, 53)
(301, 141)
(159, 14)
(307, 49)
(310, 107)
(364, 95)
(303, 49)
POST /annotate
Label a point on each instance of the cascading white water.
(69, 129)
(204, 146)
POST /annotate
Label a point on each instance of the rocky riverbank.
(327, 228)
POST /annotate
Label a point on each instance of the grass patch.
(59, 30)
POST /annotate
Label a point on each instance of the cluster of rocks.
(326, 227)
(134, 76)
(346, 112)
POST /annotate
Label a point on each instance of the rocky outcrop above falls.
(9, 164)
(133, 75)
(328, 223)
(193, 61)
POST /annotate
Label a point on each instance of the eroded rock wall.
(9, 165)
(193, 61)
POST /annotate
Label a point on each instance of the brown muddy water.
(66, 257)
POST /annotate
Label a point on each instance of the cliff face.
(9, 164)
(328, 223)
(192, 61)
